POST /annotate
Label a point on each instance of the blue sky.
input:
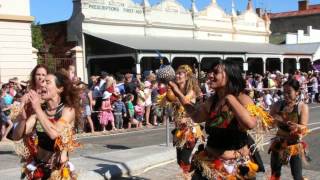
(47, 11)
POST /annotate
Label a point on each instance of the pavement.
(116, 164)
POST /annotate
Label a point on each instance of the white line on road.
(122, 133)
(313, 123)
(157, 165)
(313, 129)
(314, 107)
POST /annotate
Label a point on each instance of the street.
(96, 144)
(154, 136)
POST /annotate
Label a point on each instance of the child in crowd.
(139, 112)
(155, 109)
(119, 111)
(140, 106)
(106, 115)
(268, 100)
(5, 107)
(140, 94)
(148, 102)
(111, 88)
(130, 108)
(260, 100)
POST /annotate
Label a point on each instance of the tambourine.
(166, 74)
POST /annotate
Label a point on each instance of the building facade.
(309, 36)
(292, 21)
(16, 53)
(122, 36)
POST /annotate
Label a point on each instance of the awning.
(196, 45)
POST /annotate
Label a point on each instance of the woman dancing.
(226, 154)
(51, 128)
(291, 116)
(186, 132)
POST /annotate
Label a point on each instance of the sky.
(47, 11)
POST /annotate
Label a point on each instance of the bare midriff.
(229, 154)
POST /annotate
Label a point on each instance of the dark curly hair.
(293, 83)
(70, 95)
(33, 75)
(235, 83)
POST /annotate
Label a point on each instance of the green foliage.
(277, 38)
(49, 61)
(37, 38)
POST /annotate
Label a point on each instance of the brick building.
(292, 21)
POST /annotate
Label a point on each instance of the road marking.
(155, 166)
(313, 129)
(313, 123)
(122, 133)
(314, 107)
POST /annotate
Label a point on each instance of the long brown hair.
(192, 82)
(70, 96)
(33, 75)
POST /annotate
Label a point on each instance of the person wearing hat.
(119, 111)
(106, 115)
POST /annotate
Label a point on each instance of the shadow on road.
(7, 152)
(113, 168)
(132, 178)
(110, 146)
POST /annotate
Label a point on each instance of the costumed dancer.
(186, 132)
(291, 115)
(227, 154)
(46, 154)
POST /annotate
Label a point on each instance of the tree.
(37, 38)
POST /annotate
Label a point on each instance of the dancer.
(227, 154)
(46, 155)
(291, 116)
(186, 132)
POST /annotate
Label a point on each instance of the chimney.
(303, 5)
(259, 12)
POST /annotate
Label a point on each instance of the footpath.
(115, 164)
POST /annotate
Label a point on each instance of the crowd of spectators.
(120, 101)
(267, 89)
(114, 102)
